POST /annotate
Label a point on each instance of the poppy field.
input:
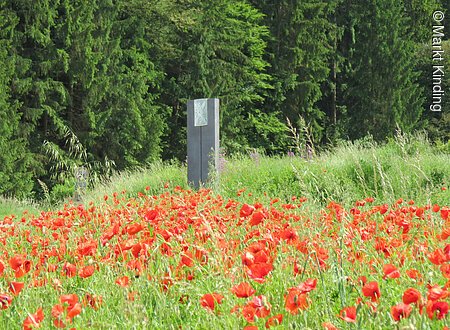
(194, 260)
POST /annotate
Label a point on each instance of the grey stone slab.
(202, 139)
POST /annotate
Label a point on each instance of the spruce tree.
(382, 85)
(300, 53)
(15, 175)
(213, 49)
(81, 69)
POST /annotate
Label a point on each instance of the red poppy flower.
(187, 259)
(295, 300)
(257, 218)
(289, 235)
(5, 301)
(348, 314)
(274, 321)
(250, 327)
(261, 257)
(445, 211)
(435, 292)
(166, 283)
(16, 262)
(411, 296)
(69, 269)
(57, 313)
(248, 259)
(20, 265)
(16, 287)
(86, 271)
(390, 271)
(243, 290)
(258, 271)
(209, 300)
(445, 269)
(445, 233)
(87, 248)
(401, 311)
(438, 308)
(258, 306)
(123, 281)
(201, 256)
(413, 273)
(246, 210)
(134, 228)
(151, 215)
(248, 312)
(362, 280)
(74, 311)
(437, 257)
(371, 290)
(32, 321)
(64, 313)
(69, 299)
(419, 212)
(329, 326)
(93, 300)
(307, 286)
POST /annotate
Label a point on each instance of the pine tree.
(125, 123)
(382, 85)
(420, 13)
(215, 50)
(15, 175)
(229, 41)
(301, 50)
(82, 67)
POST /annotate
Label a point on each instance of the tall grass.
(11, 206)
(153, 178)
(406, 167)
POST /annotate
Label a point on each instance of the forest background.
(104, 83)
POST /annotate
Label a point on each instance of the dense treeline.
(104, 83)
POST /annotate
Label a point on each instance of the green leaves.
(382, 85)
(15, 160)
(300, 54)
(118, 74)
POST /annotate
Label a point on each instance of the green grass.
(12, 206)
(407, 167)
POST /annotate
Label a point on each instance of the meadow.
(354, 238)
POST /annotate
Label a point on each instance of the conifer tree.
(15, 175)
(382, 86)
(215, 50)
(300, 55)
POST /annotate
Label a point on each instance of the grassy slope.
(11, 206)
(409, 169)
(406, 168)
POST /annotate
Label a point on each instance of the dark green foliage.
(104, 83)
(213, 49)
(383, 92)
(83, 66)
(436, 123)
(15, 175)
(301, 50)
(420, 13)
